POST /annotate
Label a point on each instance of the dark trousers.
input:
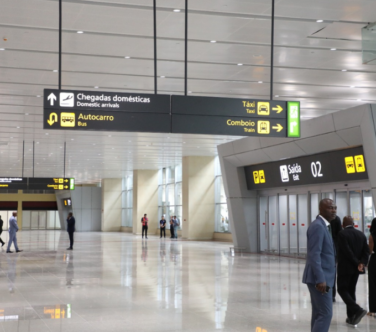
(172, 231)
(163, 230)
(346, 289)
(322, 309)
(1, 241)
(71, 239)
(372, 283)
(145, 230)
(334, 286)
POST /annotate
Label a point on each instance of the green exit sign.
(293, 119)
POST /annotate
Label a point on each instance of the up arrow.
(278, 127)
(278, 109)
(51, 98)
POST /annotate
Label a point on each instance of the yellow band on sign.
(355, 164)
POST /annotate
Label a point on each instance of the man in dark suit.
(1, 230)
(320, 269)
(71, 223)
(353, 255)
(336, 226)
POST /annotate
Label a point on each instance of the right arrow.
(51, 98)
(278, 127)
(278, 109)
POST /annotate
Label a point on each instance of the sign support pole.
(33, 156)
(23, 157)
(155, 45)
(272, 53)
(60, 38)
(186, 50)
(65, 153)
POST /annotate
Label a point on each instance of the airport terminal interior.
(230, 119)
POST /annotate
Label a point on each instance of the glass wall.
(127, 202)
(170, 196)
(40, 220)
(221, 212)
(284, 219)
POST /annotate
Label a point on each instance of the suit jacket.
(71, 223)
(336, 228)
(13, 227)
(1, 225)
(321, 264)
(352, 250)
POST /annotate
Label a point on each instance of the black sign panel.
(335, 166)
(213, 106)
(13, 183)
(106, 101)
(106, 120)
(221, 125)
(37, 183)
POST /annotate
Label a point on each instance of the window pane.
(369, 211)
(356, 209)
(170, 194)
(179, 195)
(178, 173)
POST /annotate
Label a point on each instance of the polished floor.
(117, 282)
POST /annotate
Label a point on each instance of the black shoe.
(3, 244)
(19, 250)
(69, 248)
(334, 299)
(348, 322)
(146, 237)
(9, 252)
(358, 317)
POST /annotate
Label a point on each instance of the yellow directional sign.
(52, 119)
(263, 108)
(278, 109)
(359, 164)
(278, 127)
(263, 127)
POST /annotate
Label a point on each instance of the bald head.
(328, 209)
(347, 221)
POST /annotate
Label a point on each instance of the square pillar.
(198, 198)
(145, 200)
(111, 205)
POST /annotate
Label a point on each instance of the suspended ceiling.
(317, 63)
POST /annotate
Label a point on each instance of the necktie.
(330, 229)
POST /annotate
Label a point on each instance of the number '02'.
(316, 169)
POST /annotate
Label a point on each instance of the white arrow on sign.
(52, 99)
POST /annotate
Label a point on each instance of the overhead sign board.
(106, 101)
(335, 166)
(37, 183)
(110, 111)
(230, 116)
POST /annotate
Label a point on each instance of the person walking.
(320, 269)
(372, 271)
(353, 255)
(13, 229)
(336, 228)
(162, 225)
(1, 230)
(172, 231)
(144, 222)
(71, 228)
(176, 226)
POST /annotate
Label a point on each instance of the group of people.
(13, 229)
(338, 250)
(174, 225)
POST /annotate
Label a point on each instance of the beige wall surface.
(198, 198)
(111, 205)
(21, 197)
(145, 199)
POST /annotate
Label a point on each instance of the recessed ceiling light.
(2, 49)
(127, 57)
(55, 70)
(213, 41)
(80, 32)
(189, 91)
(38, 96)
(168, 136)
(344, 69)
(276, 96)
(333, 49)
(320, 21)
(260, 82)
(240, 64)
(72, 139)
(163, 76)
(96, 87)
(183, 142)
(358, 100)
(177, 10)
(46, 133)
(352, 86)
(26, 113)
